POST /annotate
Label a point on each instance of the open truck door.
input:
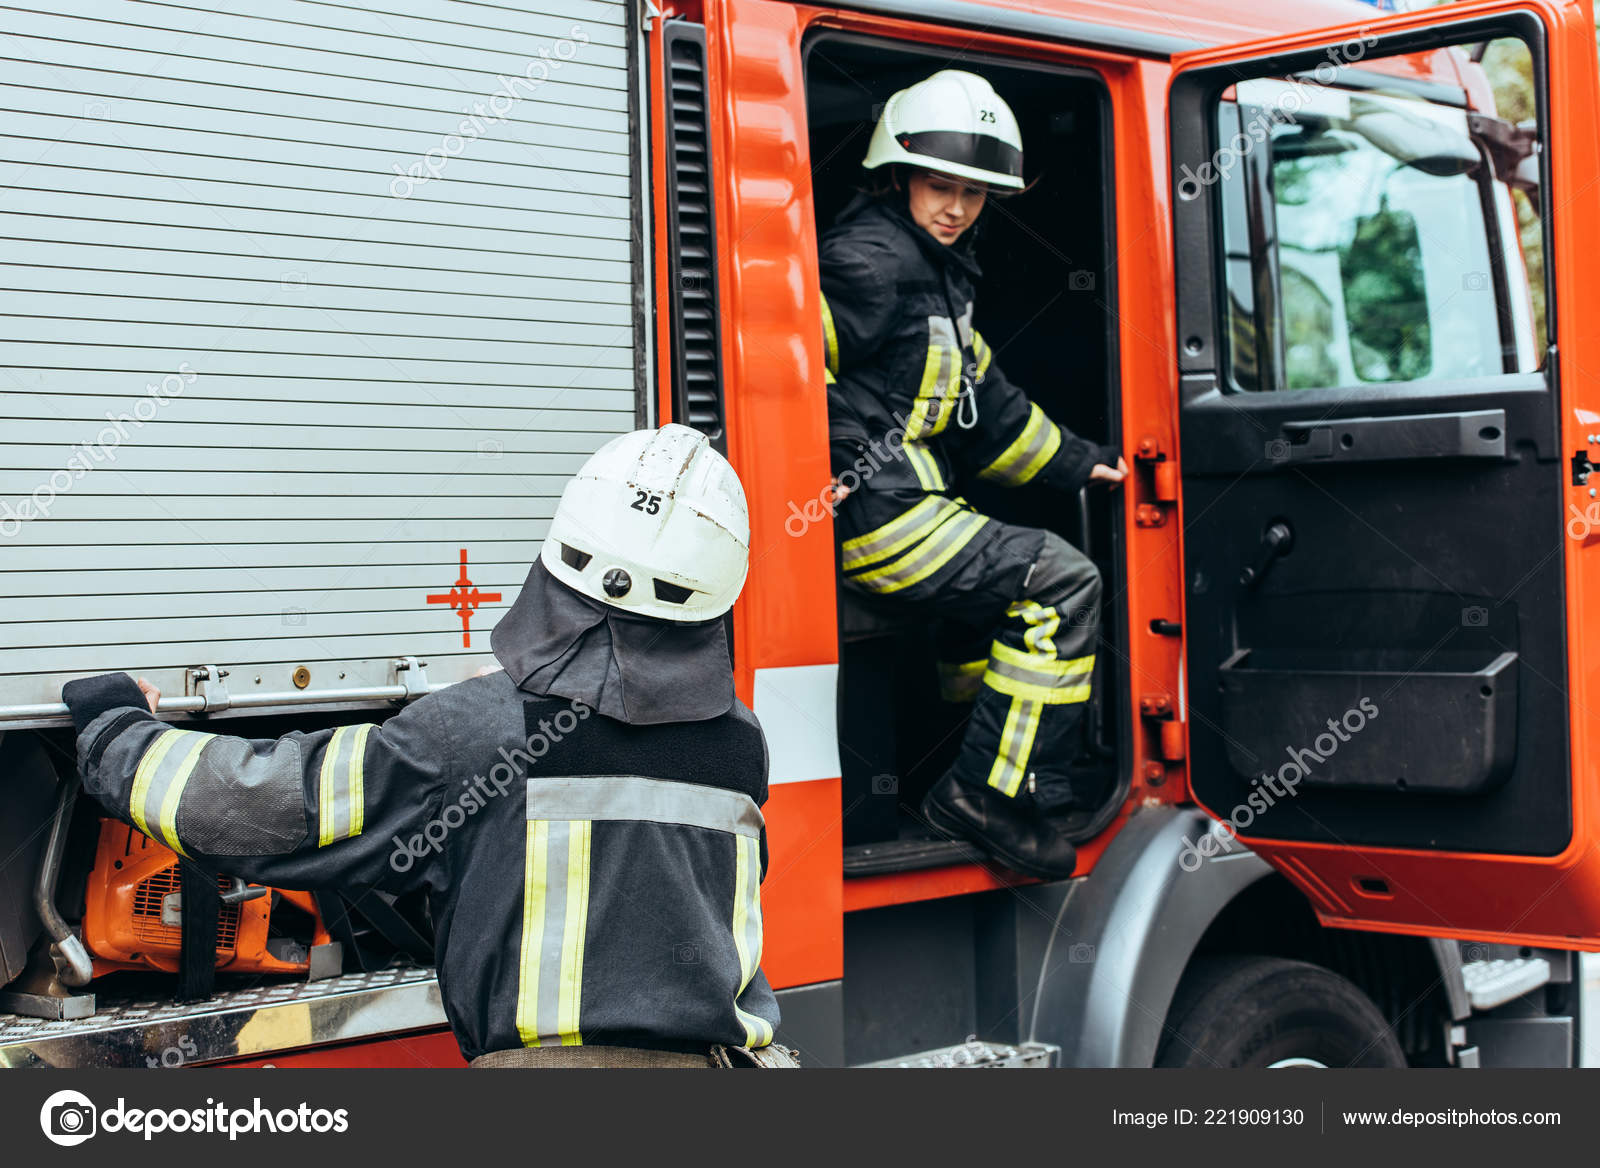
(1388, 335)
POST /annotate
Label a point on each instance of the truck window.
(1375, 239)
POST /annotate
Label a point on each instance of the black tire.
(1261, 1011)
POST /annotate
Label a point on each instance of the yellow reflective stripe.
(341, 786)
(927, 557)
(1016, 743)
(937, 371)
(828, 378)
(356, 782)
(327, 790)
(180, 778)
(1028, 453)
(1044, 669)
(914, 549)
(830, 339)
(555, 919)
(148, 764)
(747, 940)
(533, 893)
(960, 681)
(925, 466)
(579, 836)
(1043, 623)
(900, 532)
(1032, 715)
(1000, 771)
(1050, 695)
(1041, 457)
(985, 354)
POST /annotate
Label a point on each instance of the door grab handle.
(1466, 434)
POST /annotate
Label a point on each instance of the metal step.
(979, 1055)
(1494, 983)
(260, 1019)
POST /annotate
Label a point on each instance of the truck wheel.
(1268, 1012)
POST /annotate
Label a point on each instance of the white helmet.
(954, 123)
(654, 523)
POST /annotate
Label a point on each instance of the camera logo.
(67, 1118)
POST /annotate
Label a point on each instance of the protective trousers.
(1028, 675)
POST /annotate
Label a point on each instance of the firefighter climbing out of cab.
(906, 370)
(586, 820)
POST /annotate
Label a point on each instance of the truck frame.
(380, 279)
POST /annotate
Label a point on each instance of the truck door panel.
(1378, 402)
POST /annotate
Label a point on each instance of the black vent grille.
(691, 227)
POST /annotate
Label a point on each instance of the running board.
(908, 856)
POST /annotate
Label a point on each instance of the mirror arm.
(1510, 148)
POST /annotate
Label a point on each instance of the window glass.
(1383, 233)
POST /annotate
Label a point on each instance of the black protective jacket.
(910, 376)
(898, 329)
(916, 405)
(591, 879)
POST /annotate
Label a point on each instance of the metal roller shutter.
(280, 335)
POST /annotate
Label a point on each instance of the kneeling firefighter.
(580, 820)
(906, 369)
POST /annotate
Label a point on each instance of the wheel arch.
(1123, 939)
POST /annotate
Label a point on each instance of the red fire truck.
(310, 309)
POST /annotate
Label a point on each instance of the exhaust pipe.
(73, 965)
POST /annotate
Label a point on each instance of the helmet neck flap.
(556, 642)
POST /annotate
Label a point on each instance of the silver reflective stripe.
(747, 936)
(1039, 677)
(555, 922)
(1016, 746)
(927, 557)
(603, 797)
(163, 772)
(905, 529)
(341, 796)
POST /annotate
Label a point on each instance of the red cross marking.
(464, 598)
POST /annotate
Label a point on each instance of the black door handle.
(1277, 540)
(1465, 434)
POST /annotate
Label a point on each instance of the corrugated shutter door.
(264, 376)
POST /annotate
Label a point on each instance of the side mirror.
(1418, 142)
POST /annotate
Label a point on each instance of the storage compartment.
(1368, 723)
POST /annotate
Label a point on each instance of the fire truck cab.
(1316, 267)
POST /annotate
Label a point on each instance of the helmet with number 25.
(954, 123)
(654, 523)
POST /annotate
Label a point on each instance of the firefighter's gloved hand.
(1109, 466)
(89, 697)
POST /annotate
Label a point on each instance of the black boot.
(1016, 836)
